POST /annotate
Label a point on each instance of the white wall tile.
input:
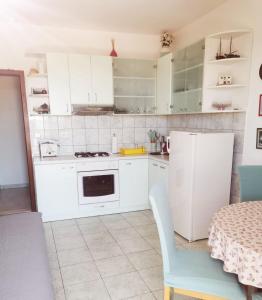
(65, 122)
(50, 122)
(79, 137)
(66, 150)
(91, 122)
(128, 136)
(161, 122)
(140, 122)
(65, 137)
(51, 134)
(128, 122)
(116, 122)
(140, 135)
(104, 136)
(104, 122)
(79, 148)
(151, 121)
(92, 136)
(36, 122)
(78, 122)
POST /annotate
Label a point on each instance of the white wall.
(13, 166)
(236, 14)
(19, 39)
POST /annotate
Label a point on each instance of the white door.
(164, 84)
(80, 78)
(133, 180)
(56, 189)
(58, 83)
(102, 80)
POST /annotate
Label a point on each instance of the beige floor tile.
(154, 241)
(145, 230)
(105, 250)
(57, 280)
(93, 290)
(133, 214)
(134, 245)
(114, 266)
(148, 212)
(71, 242)
(198, 245)
(66, 231)
(62, 223)
(159, 295)
(145, 259)
(79, 273)
(74, 256)
(180, 239)
(111, 218)
(148, 296)
(60, 294)
(125, 286)
(153, 277)
(117, 224)
(124, 234)
(90, 228)
(99, 238)
(83, 221)
(53, 260)
(138, 220)
(50, 242)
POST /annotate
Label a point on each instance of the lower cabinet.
(158, 172)
(133, 177)
(56, 190)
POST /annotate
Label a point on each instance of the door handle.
(155, 165)
(162, 167)
(129, 164)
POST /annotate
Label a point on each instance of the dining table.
(235, 237)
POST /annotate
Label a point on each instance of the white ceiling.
(134, 16)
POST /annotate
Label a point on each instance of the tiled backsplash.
(94, 133)
(223, 122)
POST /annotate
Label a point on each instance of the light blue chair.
(257, 296)
(250, 183)
(189, 272)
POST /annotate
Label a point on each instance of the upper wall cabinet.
(188, 65)
(134, 85)
(80, 78)
(102, 80)
(164, 84)
(58, 83)
(91, 80)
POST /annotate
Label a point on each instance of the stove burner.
(91, 154)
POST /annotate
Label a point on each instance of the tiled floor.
(108, 257)
(15, 199)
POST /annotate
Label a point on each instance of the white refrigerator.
(199, 179)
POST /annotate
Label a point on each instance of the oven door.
(98, 186)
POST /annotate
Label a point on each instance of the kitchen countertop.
(72, 159)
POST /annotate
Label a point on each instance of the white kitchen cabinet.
(102, 80)
(158, 172)
(133, 181)
(164, 84)
(58, 83)
(56, 190)
(80, 78)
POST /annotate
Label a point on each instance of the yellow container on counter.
(133, 151)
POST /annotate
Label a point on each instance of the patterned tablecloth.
(235, 237)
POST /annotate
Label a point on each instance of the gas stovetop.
(91, 154)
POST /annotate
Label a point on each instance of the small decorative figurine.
(166, 41)
(224, 80)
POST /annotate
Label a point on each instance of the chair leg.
(167, 293)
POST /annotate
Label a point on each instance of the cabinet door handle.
(128, 163)
(96, 97)
(162, 167)
(155, 165)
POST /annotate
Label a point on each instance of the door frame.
(20, 75)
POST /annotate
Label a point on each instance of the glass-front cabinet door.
(188, 79)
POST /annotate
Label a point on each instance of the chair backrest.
(250, 183)
(160, 206)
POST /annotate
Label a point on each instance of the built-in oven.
(98, 182)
